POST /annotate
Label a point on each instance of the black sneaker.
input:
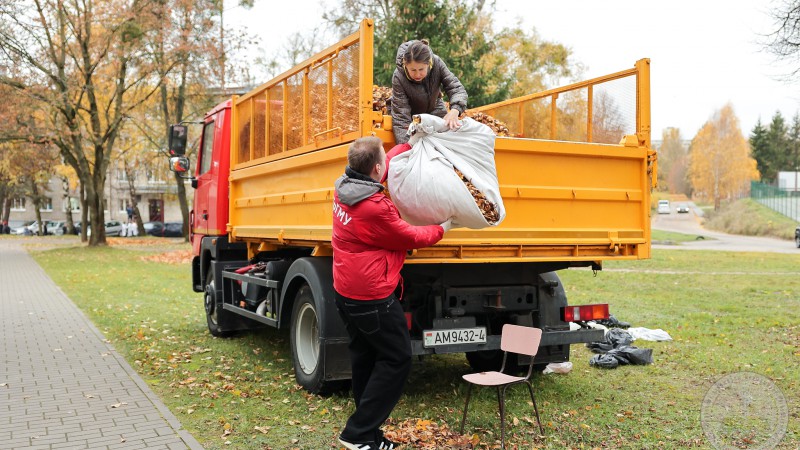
(385, 444)
(358, 446)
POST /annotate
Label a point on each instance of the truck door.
(206, 182)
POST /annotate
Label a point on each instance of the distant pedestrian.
(129, 209)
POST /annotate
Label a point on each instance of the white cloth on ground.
(647, 334)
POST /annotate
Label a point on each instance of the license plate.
(433, 338)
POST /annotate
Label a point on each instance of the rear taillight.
(582, 313)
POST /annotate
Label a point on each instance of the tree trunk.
(37, 208)
(70, 224)
(84, 213)
(6, 208)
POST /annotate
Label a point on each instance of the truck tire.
(797, 240)
(305, 342)
(485, 361)
(213, 307)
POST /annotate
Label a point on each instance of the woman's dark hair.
(364, 153)
(418, 51)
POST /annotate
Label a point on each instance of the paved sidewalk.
(62, 385)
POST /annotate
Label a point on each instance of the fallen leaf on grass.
(426, 434)
(175, 257)
(264, 430)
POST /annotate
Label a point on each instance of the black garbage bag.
(604, 361)
(613, 339)
(615, 349)
(621, 356)
(613, 322)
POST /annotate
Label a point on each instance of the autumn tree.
(720, 164)
(492, 66)
(86, 57)
(673, 163)
(26, 159)
(186, 50)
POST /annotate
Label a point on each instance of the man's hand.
(451, 119)
(447, 225)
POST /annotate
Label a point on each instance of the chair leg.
(535, 409)
(501, 399)
(466, 405)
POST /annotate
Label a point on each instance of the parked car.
(56, 227)
(22, 229)
(34, 228)
(663, 207)
(113, 228)
(154, 228)
(682, 208)
(160, 229)
(173, 229)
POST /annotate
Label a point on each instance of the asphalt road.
(689, 223)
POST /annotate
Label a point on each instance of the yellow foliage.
(720, 163)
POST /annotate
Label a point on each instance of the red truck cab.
(209, 215)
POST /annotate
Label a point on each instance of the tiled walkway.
(62, 386)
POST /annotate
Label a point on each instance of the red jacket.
(370, 239)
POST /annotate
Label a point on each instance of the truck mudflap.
(555, 337)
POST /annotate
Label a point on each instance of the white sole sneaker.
(354, 446)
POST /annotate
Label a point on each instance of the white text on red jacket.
(340, 213)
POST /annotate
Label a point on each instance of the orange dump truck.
(575, 173)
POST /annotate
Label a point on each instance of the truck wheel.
(305, 341)
(797, 240)
(213, 307)
(485, 361)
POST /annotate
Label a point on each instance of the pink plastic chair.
(515, 339)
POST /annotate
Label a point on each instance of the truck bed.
(574, 189)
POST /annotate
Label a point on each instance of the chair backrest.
(519, 339)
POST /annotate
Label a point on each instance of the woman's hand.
(451, 119)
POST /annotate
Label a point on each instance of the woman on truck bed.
(416, 88)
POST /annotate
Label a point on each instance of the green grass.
(727, 312)
(671, 237)
(751, 218)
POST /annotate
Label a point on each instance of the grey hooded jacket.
(410, 97)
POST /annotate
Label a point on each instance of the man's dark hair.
(364, 153)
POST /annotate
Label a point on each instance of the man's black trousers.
(380, 356)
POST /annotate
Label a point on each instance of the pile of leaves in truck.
(381, 99)
(500, 128)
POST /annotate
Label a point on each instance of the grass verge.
(750, 218)
(671, 237)
(727, 312)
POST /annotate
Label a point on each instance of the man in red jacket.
(370, 241)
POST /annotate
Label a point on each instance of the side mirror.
(177, 140)
(179, 164)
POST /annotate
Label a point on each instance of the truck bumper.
(565, 337)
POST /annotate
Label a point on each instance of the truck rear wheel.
(214, 311)
(305, 341)
(485, 361)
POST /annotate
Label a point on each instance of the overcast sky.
(704, 53)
